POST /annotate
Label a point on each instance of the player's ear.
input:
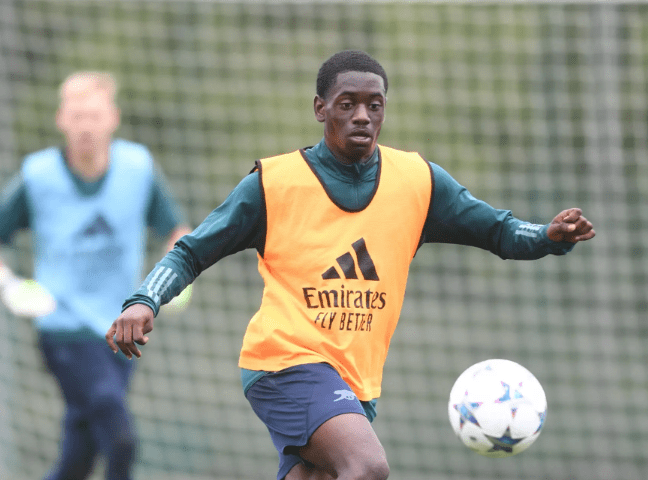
(318, 107)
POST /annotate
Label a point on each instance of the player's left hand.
(570, 226)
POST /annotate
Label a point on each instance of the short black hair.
(346, 61)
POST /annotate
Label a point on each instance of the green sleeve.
(459, 218)
(14, 208)
(163, 214)
(237, 224)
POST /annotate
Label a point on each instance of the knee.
(112, 417)
(370, 469)
(109, 407)
(120, 441)
(380, 469)
(123, 447)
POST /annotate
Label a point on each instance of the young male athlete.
(88, 205)
(336, 227)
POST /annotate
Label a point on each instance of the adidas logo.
(161, 279)
(99, 226)
(347, 264)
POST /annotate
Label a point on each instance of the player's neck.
(88, 166)
(347, 160)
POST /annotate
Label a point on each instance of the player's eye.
(346, 105)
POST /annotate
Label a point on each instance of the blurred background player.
(336, 227)
(88, 205)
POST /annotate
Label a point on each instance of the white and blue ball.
(497, 408)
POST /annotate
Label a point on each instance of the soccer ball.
(497, 408)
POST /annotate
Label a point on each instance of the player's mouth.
(361, 136)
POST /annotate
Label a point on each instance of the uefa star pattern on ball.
(497, 408)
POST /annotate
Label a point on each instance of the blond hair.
(84, 82)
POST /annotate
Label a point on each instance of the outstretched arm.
(234, 226)
(458, 217)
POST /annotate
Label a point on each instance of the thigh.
(346, 443)
(66, 368)
(85, 370)
(295, 402)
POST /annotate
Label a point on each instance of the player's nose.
(361, 114)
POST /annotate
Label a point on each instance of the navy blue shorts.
(295, 401)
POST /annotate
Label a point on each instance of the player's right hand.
(130, 329)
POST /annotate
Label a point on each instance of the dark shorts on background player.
(295, 401)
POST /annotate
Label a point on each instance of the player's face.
(353, 113)
(87, 120)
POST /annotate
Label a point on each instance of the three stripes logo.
(161, 278)
(348, 266)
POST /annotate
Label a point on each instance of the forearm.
(168, 279)
(528, 241)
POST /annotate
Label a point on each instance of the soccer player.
(88, 205)
(335, 226)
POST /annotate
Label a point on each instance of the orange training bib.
(335, 279)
